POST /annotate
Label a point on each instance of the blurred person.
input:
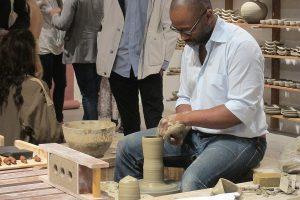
(26, 110)
(81, 20)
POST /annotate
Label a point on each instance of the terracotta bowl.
(90, 137)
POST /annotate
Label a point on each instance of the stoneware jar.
(254, 11)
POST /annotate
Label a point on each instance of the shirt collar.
(219, 34)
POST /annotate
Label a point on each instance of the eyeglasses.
(189, 32)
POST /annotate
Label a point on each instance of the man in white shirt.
(219, 127)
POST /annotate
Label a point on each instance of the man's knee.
(191, 181)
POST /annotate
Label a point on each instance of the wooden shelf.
(282, 57)
(286, 118)
(282, 88)
(256, 26)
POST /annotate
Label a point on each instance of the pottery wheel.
(158, 189)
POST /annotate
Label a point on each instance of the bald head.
(192, 5)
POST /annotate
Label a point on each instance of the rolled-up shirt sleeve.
(183, 93)
(245, 81)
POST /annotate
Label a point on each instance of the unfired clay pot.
(254, 11)
(91, 137)
(129, 189)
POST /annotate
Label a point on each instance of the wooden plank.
(75, 156)
(28, 194)
(23, 174)
(30, 163)
(52, 197)
(297, 120)
(19, 181)
(282, 57)
(22, 188)
(282, 88)
(31, 147)
(228, 4)
(104, 196)
(15, 170)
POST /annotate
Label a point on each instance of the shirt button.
(111, 51)
(104, 73)
(118, 29)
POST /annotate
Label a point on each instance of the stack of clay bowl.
(229, 15)
(281, 22)
(283, 51)
(271, 48)
(272, 110)
(287, 111)
(282, 83)
(291, 23)
(295, 51)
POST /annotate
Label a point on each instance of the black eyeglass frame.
(189, 32)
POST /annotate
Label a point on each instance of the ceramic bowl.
(274, 21)
(281, 21)
(298, 85)
(269, 21)
(276, 83)
(91, 137)
(281, 83)
(287, 23)
(293, 23)
(263, 21)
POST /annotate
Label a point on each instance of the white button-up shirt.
(231, 75)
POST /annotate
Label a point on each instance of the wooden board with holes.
(25, 184)
(30, 162)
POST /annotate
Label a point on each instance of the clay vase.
(153, 159)
(129, 189)
(254, 11)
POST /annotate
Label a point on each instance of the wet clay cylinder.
(153, 170)
(153, 159)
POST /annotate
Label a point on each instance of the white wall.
(289, 9)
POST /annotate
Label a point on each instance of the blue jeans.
(89, 84)
(205, 157)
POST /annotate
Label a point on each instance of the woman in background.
(26, 110)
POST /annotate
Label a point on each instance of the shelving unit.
(257, 26)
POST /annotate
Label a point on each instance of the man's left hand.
(172, 129)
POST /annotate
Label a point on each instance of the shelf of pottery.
(252, 15)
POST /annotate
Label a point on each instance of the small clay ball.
(7, 161)
(23, 159)
(12, 160)
(37, 159)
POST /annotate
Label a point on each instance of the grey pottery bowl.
(90, 137)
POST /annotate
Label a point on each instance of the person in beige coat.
(134, 47)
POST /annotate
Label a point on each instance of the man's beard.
(201, 40)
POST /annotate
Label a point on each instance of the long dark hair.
(17, 60)
(23, 10)
(5, 8)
